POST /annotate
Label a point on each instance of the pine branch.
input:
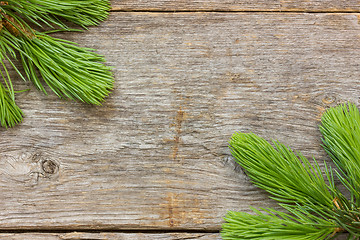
(341, 136)
(316, 208)
(287, 177)
(275, 225)
(69, 70)
(81, 12)
(73, 72)
(10, 113)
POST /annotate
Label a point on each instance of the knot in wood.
(49, 166)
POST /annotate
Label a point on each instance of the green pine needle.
(69, 70)
(289, 178)
(81, 12)
(315, 207)
(275, 225)
(341, 132)
(73, 72)
(10, 113)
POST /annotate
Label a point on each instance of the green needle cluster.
(70, 71)
(315, 208)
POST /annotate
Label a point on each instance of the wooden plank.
(155, 155)
(108, 236)
(237, 5)
(115, 236)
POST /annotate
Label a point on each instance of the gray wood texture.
(237, 5)
(155, 156)
(108, 236)
(114, 236)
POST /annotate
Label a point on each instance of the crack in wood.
(180, 117)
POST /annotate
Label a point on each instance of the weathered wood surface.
(237, 5)
(155, 155)
(108, 236)
(115, 236)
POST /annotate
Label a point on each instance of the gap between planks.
(144, 231)
(116, 9)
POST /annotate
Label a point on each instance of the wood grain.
(155, 155)
(115, 236)
(108, 236)
(237, 5)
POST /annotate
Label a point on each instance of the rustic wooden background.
(153, 162)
